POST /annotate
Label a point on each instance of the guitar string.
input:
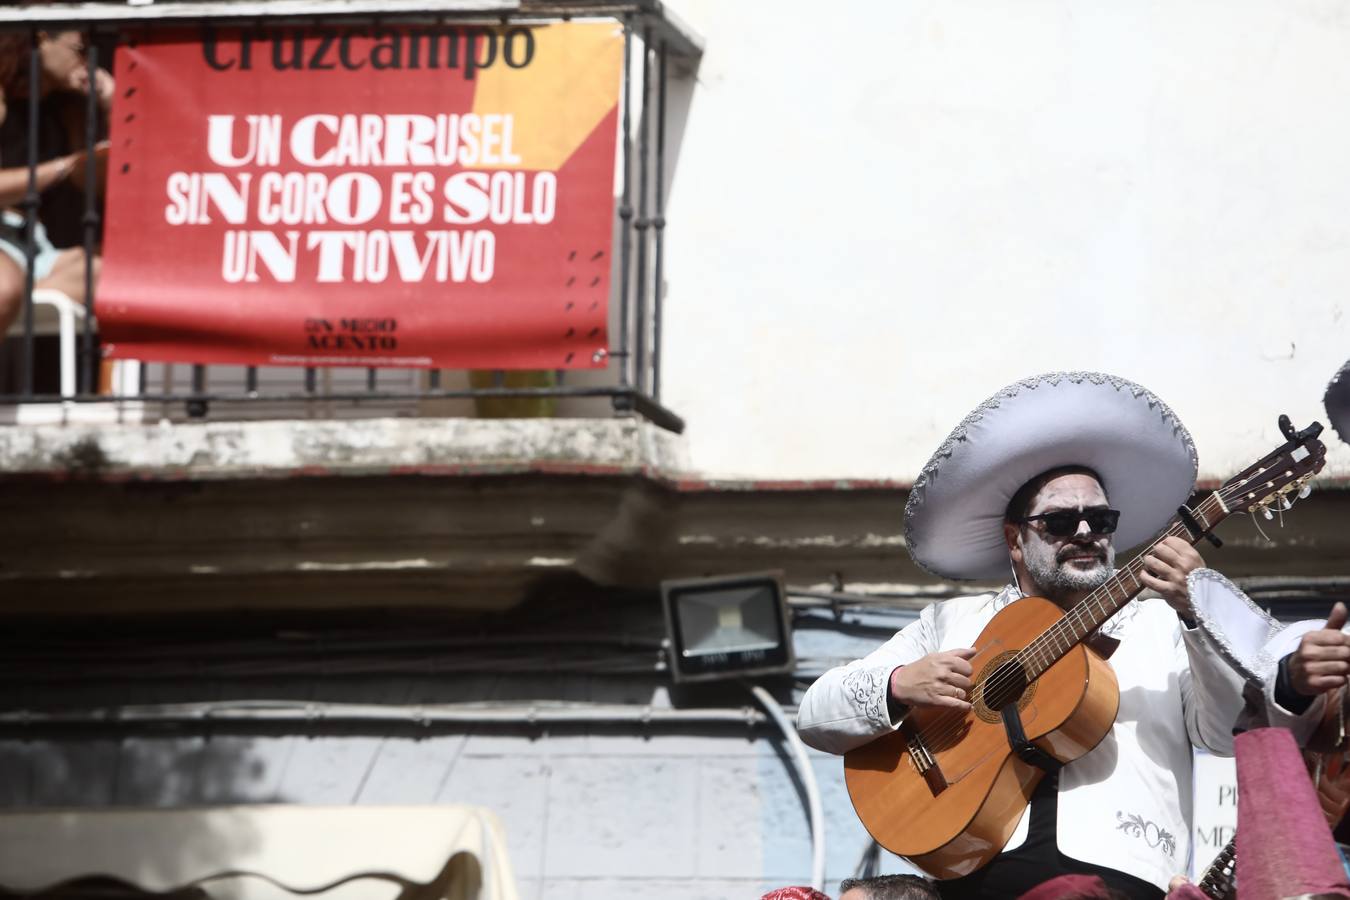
(951, 722)
(1223, 494)
(954, 720)
(1133, 569)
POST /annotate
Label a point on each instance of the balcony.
(516, 474)
(56, 369)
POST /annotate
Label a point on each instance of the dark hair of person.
(15, 49)
(1021, 501)
(892, 887)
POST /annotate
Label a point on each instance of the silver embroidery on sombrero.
(960, 432)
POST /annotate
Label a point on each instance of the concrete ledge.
(288, 448)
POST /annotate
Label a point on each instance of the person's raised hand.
(938, 679)
(1165, 569)
(1322, 660)
(104, 86)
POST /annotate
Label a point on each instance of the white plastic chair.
(69, 316)
(54, 312)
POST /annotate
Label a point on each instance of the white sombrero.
(1337, 399)
(1144, 455)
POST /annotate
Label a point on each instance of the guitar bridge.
(924, 761)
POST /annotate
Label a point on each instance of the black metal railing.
(632, 379)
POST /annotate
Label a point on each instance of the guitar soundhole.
(1000, 682)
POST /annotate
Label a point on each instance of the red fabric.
(795, 893)
(1069, 887)
(365, 269)
(1284, 847)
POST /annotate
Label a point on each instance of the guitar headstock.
(1271, 480)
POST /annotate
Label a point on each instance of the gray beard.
(1056, 581)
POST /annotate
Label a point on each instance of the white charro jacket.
(1126, 804)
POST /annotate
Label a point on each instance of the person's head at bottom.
(1073, 887)
(887, 887)
(795, 892)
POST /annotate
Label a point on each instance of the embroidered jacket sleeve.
(1304, 718)
(1252, 643)
(1211, 691)
(846, 707)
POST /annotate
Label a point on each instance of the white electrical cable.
(808, 779)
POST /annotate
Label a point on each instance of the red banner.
(385, 197)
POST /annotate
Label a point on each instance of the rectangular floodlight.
(727, 626)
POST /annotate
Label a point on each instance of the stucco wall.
(884, 212)
(704, 812)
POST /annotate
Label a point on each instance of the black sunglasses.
(1064, 522)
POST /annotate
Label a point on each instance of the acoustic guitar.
(946, 789)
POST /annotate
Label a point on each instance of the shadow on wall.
(100, 888)
(75, 774)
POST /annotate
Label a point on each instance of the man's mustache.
(1081, 550)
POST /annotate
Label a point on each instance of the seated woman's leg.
(11, 293)
(67, 274)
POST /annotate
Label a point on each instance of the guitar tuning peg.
(1304, 491)
(1266, 513)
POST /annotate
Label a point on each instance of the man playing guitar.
(1042, 480)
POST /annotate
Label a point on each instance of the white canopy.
(349, 852)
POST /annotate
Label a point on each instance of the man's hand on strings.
(1165, 569)
(938, 679)
(1322, 660)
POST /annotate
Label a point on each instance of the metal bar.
(640, 300)
(362, 395)
(623, 397)
(370, 379)
(197, 404)
(659, 223)
(657, 414)
(626, 203)
(684, 41)
(91, 217)
(311, 381)
(31, 203)
(80, 13)
(434, 379)
(251, 379)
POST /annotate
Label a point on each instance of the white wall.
(884, 212)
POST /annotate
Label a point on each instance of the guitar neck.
(1218, 881)
(1097, 607)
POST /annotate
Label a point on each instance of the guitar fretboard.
(1093, 610)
